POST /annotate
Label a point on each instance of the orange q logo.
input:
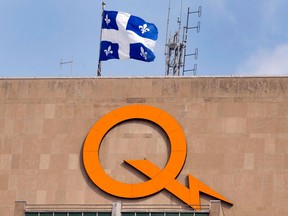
(159, 179)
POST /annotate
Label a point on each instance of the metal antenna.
(181, 9)
(175, 50)
(166, 40)
(185, 37)
(67, 62)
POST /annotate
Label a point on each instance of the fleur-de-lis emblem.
(108, 51)
(143, 53)
(107, 20)
(144, 28)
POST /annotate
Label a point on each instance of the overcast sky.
(239, 37)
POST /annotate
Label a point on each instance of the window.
(157, 214)
(67, 213)
(31, 214)
(165, 214)
(60, 214)
(142, 214)
(172, 214)
(123, 214)
(46, 214)
(89, 214)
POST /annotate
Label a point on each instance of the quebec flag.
(125, 36)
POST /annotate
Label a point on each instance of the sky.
(236, 38)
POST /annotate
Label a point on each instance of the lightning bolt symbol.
(190, 195)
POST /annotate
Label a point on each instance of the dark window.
(157, 214)
(75, 214)
(104, 214)
(187, 214)
(31, 214)
(128, 214)
(142, 214)
(89, 214)
(123, 214)
(172, 214)
(60, 214)
(46, 214)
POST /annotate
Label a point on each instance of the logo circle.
(161, 179)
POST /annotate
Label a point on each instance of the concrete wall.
(236, 131)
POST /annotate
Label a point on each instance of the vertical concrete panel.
(19, 209)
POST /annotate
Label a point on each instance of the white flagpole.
(99, 62)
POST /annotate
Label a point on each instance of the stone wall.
(236, 131)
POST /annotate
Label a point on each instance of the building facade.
(236, 132)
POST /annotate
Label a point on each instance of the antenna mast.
(185, 35)
(166, 40)
(175, 50)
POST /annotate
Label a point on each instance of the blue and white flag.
(125, 36)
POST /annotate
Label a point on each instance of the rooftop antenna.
(67, 62)
(166, 39)
(174, 48)
(185, 35)
(175, 51)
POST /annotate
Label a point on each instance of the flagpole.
(99, 62)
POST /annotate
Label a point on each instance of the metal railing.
(132, 209)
